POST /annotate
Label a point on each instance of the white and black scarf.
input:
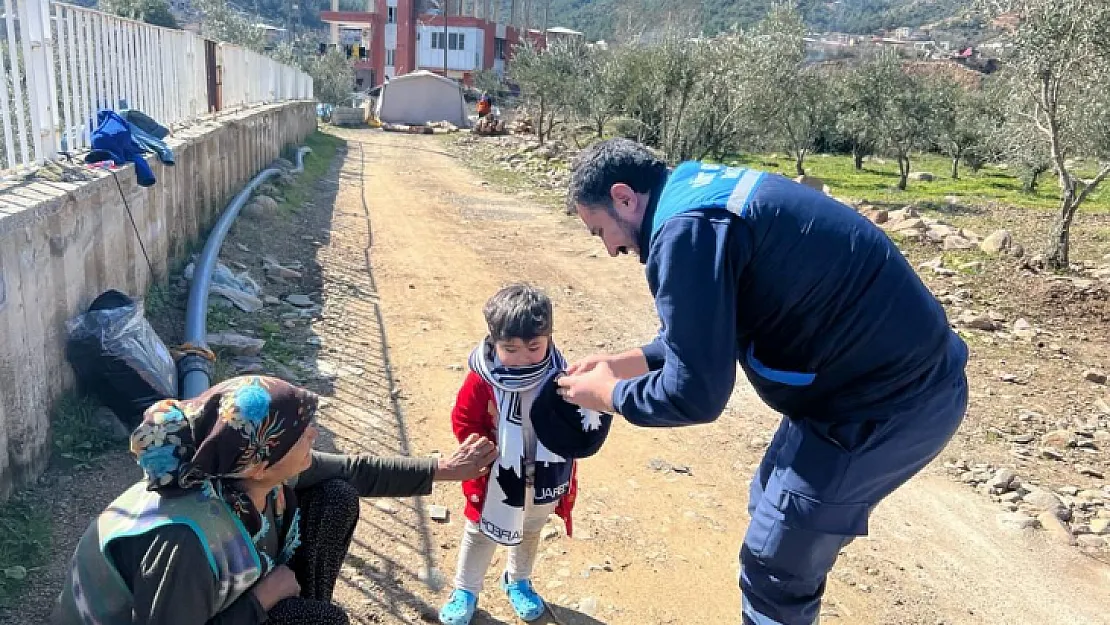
(514, 389)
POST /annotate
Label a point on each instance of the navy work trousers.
(815, 489)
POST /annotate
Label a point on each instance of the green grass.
(25, 528)
(78, 434)
(878, 182)
(157, 300)
(316, 165)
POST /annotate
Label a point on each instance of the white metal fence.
(63, 63)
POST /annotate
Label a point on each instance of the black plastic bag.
(119, 358)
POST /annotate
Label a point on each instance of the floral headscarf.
(231, 432)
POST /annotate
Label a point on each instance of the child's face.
(520, 353)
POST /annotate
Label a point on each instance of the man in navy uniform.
(830, 324)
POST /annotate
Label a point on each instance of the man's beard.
(630, 230)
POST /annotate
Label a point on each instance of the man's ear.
(623, 196)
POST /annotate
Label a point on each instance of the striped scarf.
(514, 390)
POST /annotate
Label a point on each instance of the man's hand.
(625, 365)
(471, 459)
(592, 389)
(278, 584)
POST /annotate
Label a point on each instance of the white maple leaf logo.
(591, 420)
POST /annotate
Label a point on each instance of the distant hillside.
(599, 19)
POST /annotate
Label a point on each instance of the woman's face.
(296, 461)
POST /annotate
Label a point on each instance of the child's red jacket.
(475, 412)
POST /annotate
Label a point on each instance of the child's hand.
(471, 459)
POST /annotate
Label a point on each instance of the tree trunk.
(539, 123)
(1029, 185)
(799, 164)
(600, 128)
(858, 155)
(1056, 256)
(956, 165)
(904, 172)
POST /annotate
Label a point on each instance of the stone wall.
(62, 244)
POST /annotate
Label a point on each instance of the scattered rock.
(270, 300)
(1016, 520)
(983, 322)
(1001, 481)
(902, 214)
(906, 224)
(254, 210)
(957, 242)
(440, 514)
(1057, 530)
(1100, 526)
(550, 533)
(1090, 472)
(588, 606)
(275, 269)
(1090, 541)
(878, 216)
(266, 203)
(1022, 439)
(242, 300)
(386, 506)
(300, 301)
(1043, 500)
(1094, 375)
(1060, 439)
(235, 344)
(997, 242)
(922, 176)
(812, 182)
(1052, 454)
(1024, 330)
(247, 365)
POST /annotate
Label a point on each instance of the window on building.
(456, 41)
(390, 56)
(499, 49)
(391, 15)
(437, 41)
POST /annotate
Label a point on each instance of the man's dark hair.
(519, 311)
(609, 162)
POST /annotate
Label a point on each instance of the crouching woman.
(237, 519)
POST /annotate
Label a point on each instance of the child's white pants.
(477, 549)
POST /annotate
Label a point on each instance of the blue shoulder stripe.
(693, 185)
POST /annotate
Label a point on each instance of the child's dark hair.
(519, 311)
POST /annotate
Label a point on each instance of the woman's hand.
(278, 584)
(471, 459)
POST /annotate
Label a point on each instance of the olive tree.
(792, 102)
(965, 118)
(1059, 76)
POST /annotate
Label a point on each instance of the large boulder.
(812, 182)
(997, 242)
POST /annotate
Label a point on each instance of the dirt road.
(401, 246)
(661, 512)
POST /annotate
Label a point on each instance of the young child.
(528, 482)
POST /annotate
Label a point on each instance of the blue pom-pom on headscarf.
(253, 403)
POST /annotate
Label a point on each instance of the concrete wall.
(62, 244)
